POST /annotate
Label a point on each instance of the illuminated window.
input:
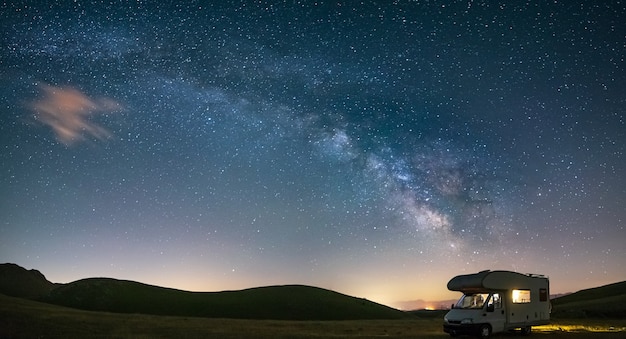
(521, 296)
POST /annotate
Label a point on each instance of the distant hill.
(420, 304)
(17, 281)
(607, 301)
(289, 302)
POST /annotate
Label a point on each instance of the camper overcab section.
(498, 301)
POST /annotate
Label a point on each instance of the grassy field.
(20, 318)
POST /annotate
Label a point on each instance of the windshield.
(476, 300)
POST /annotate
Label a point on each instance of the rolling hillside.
(290, 302)
(607, 301)
(17, 281)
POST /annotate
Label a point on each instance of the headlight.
(445, 319)
(466, 321)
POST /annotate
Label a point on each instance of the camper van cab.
(498, 301)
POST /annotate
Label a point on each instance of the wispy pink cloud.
(68, 111)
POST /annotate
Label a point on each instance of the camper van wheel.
(526, 330)
(485, 331)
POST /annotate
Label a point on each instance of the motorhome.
(498, 301)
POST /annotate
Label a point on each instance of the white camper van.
(498, 301)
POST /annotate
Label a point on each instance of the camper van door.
(495, 312)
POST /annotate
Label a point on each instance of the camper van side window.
(521, 296)
(543, 294)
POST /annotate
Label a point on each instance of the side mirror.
(490, 308)
(451, 306)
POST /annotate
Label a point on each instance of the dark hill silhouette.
(608, 301)
(17, 281)
(289, 302)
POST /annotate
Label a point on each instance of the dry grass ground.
(21, 318)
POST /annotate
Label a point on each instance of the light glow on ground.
(560, 327)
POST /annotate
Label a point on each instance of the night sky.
(373, 148)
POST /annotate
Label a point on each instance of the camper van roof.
(490, 280)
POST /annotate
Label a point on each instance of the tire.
(526, 330)
(485, 331)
